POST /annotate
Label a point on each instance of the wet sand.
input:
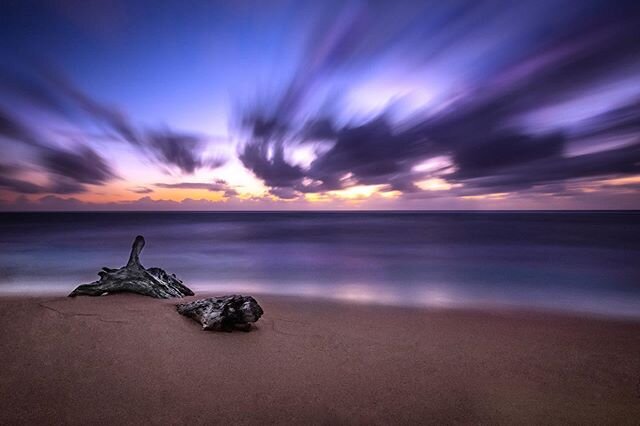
(130, 359)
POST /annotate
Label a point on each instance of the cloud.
(373, 153)
(57, 203)
(22, 83)
(477, 128)
(12, 128)
(490, 154)
(67, 170)
(615, 162)
(284, 193)
(217, 186)
(57, 184)
(624, 119)
(83, 165)
(141, 190)
(166, 147)
(20, 186)
(619, 197)
(268, 163)
(192, 185)
(50, 91)
(480, 85)
(178, 149)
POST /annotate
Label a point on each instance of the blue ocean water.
(570, 261)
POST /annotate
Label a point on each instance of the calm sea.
(572, 261)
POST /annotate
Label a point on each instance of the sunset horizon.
(302, 108)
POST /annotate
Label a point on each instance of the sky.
(308, 105)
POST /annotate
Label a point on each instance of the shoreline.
(127, 358)
(480, 308)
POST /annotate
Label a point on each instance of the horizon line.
(340, 211)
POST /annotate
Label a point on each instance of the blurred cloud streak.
(400, 102)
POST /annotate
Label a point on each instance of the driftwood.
(135, 278)
(223, 313)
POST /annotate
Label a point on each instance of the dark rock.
(223, 313)
(135, 278)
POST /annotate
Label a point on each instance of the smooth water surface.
(575, 261)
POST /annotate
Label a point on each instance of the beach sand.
(127, 359)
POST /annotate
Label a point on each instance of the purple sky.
(240, 105)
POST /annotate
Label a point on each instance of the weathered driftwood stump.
(135, 278)
(223, 313)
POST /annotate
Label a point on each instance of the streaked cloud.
(374, 104)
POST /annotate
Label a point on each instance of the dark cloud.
(284, 193)
(478, 131)
(489, 154)
(230, 193)
(166, 147)
(374, 153)
(12, 128)
(268, 163)
(20, 186)
(192, 185)
(178, 149)
(62, 185)
(49, 90)
(624, 119)
(141, 190)
(615, 162)
(503, 63)
(83, 165)
(57, 184)
(320, 129)
(332, 44)
(24, 84)
(68, 169)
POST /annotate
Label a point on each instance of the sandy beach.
(130, 359)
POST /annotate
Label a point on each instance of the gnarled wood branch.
(223, 313)
(135, 278)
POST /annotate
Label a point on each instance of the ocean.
(565, 261)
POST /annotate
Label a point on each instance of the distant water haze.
(567, 261)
